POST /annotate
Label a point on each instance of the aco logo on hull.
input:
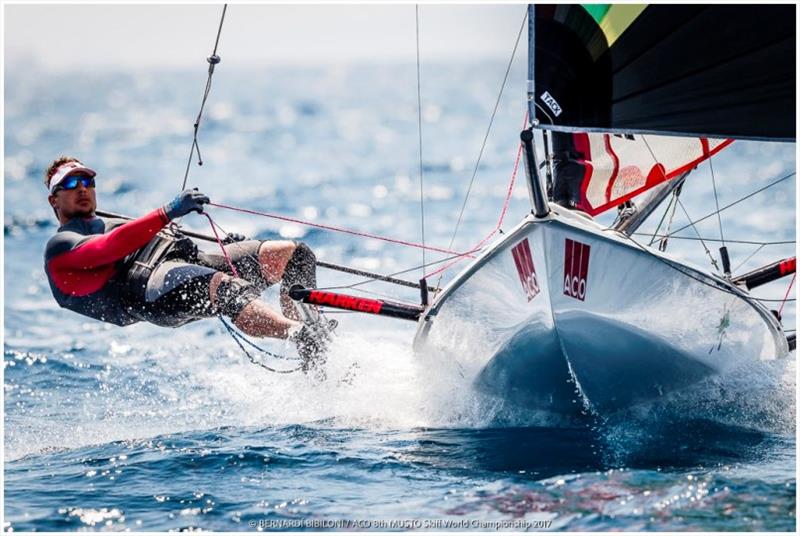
(527, 273)
(576, 269)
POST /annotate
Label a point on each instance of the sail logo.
(527, 273)
(576, 269)
(551, 103)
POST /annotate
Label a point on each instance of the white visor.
(66, 170)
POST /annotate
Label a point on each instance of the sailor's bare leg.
(256, 319)
(273, 257)
(287, 306)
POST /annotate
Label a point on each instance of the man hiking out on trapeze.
(123, 272)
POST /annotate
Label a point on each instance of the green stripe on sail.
(618, 18)
(597, 11)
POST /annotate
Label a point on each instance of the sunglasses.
(70, 183)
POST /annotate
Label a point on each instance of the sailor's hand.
(186, 202)
(234, 237)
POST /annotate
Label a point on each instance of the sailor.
(123, 272)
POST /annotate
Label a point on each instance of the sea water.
(148, 428)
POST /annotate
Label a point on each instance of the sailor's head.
(71, 186)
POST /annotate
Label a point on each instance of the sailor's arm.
(100, 250)
(94, 251)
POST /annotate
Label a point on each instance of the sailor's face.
(80, 202)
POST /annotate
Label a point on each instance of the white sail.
(618, 168)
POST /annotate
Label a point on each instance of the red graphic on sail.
(576, 269)
(618, 168)
(527, 273)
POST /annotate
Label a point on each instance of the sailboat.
(567, 315)
(562, 304)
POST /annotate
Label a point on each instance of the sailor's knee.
(276, 248)
(230, 295)
(274, 256)
(301, 267)
(304, 255)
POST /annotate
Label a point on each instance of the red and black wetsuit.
(84, 262)
(122, 271)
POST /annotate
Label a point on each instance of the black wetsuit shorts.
(177, 291)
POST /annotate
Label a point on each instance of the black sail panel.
(690, 70)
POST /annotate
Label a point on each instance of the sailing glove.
(186, 202)
(234, 237)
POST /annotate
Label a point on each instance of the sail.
(615, 168)
(725, 71)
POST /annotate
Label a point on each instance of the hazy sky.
(133, 36)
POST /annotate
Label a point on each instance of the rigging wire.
(675, 193)
(729, 205)
(455, 256)
(419, 125)
(730, 241)
(786, 296)
(708, 252)
(401, 272)
(716, 200)
(257, 347)
(422, 246)
(213, 60)
(699, 237)
(340, 229)
(478, 162)
(353, 271)
(377, 278)
(221, 246)
(219, 31)
(712, 284)
(236, 336)
(661, 221)
(382, 295)
(489, 129)
(751, 194)
(497, 228)
(753, 254)
(663, 245)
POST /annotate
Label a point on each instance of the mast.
(536, 192)
(548, 162)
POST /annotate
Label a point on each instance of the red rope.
(342, 230)
(786, 296)
(502, 212)
(459, 256)
(225, 253)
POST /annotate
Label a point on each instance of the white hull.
(631, 325)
